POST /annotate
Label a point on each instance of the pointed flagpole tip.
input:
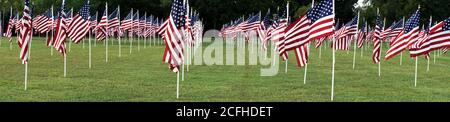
(419, 6)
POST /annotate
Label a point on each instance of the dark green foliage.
(217, 12)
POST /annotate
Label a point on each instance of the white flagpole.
(415, 75)
(10, 42)
(306, 65)
(26, 76)
(106, 50)
(417, 60)
(401, 54)
(434, 58)
(354, 47)
(93, 33)
(118, 33)
(333, 63)
(178, 84)
(130, 34)
(287, 15)
(137, 34)
(428, 55)
(143, 31)
(53, 22)
(90, 50)
(381, 50)
(65, 63)
(320, 49)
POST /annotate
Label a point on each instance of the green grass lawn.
(142, 76)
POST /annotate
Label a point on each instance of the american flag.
(319, 42)
(60, 32)
(278, 35)
(362, 35)
(149, 26)
(377, 40)
(172, 37)
(263, 29)
(141, 26)
(50, 25)
(102, 26)
(17, 22)
(439, 38)
(113, 21)
(342, 42)
(80, 25)
(69, 17)
(94, 21)
(41, 22)
(235, 28)
(422, 38)
(252, 23)
(407, 37)
(127, 23)
(294, 34)
(297, 32)
(9, 29)
(396, 28)
(322, 19)
(350, 29)
(188, 34)
(26, 33)
(135, 27)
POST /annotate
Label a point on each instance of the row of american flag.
(318, 25)
(66, 24)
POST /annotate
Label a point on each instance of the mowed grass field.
(142, 77)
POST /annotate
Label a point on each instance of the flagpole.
(306, 65)
(334, 61)
(401, 54)
(428, 55)
(137, 34)
(53, 22)
(94, 33)
(287, 15)
(144, 29)
(65, 63)
(320, 49)
(106, 50)
(118, 33)
(354, 46)
(90, 50)
(10, 41)
(381, 49)
(130, 33)
(434, 58)
(417, 60)
(415, 75)
(178, 84)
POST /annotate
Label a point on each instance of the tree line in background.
(215, 13)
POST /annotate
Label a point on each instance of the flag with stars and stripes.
(127, 22)
(278, 34)
(60, 31)
(263, 29)
(26, 33)
(80, 24)
(102, 26)
(322, 20)
(173, 53)
(114, 22)
(439, 38)
(377, 40)
(407, 37)
(362, 35)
